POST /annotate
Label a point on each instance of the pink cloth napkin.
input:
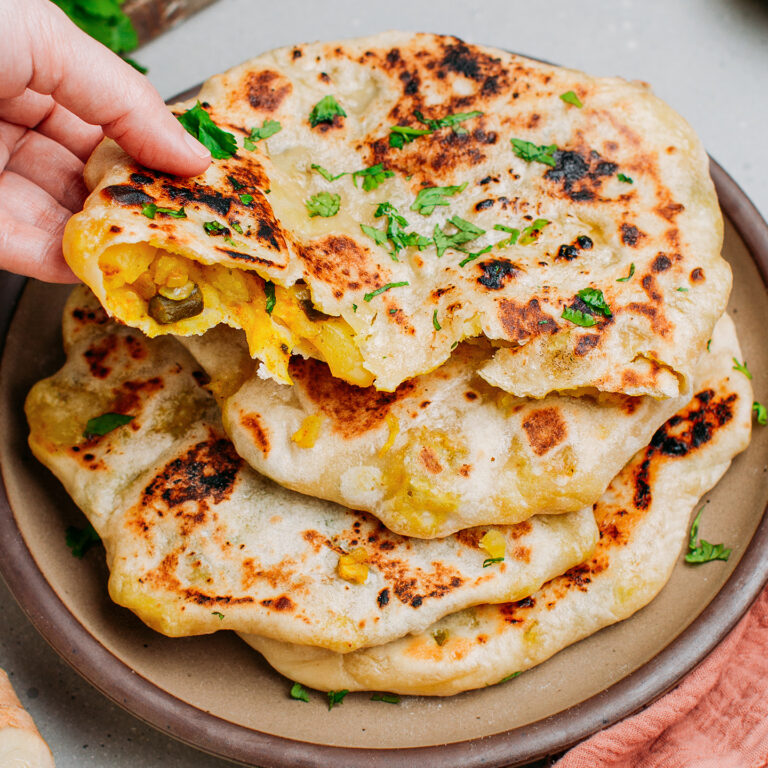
(716, 718)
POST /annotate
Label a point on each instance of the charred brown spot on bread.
(125, 194)
(515, 613)
(340, 262)
(496, 273)
(383, 598)
(586, 343)
(259, 433)
(85, 315)
(97, 354)
(545, 429)
(129, 397)
(267, 90)
(670, 210)
(352, 410)
(205, 473)
(524, 321)
(430, 461)
(661, 263)
(697, 275)
(631, 235)
(580, 173)
(137, 349)
(196, 192)
(223, 601)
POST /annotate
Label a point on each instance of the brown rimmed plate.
(216, 694)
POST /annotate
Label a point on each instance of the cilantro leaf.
(509, 677)
(219, 614)
(594, 299)
(379, 237)
(531, 152)
(327, 175)
(269, 292)
(436, 323)
(246, 199)
(473, 256)
(104, 424)
(569, 97)
(325, 111)
(80, 540)
(531, 233)
(214, 228)
(466, 232)
(430, 197)
(236, 226)
(105, 21)
(197, 121)
(336, 697)
(742, 368)
(631, 272)
(379, 291)
(400, 135)
(492, 560)
(577, 317)
(701, 551)
(761, 413)
(323, 204)
(372, 177)
(268, 128)
(625, 179)
(299, 692)
(235, 183)
(449, 121)
(150, 209)
(511, 231)
(389, 698)
(395, 232)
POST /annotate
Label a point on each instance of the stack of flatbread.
(419, 383)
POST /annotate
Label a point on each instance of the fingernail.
(196, 147)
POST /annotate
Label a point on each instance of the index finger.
(50, 55)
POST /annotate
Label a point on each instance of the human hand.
(61, 92)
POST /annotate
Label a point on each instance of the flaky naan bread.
(197, 541)
(588, 251)
(643, 518)
(445, 451)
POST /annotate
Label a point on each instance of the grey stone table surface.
(707, 58)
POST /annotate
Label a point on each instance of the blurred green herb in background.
(105, 21)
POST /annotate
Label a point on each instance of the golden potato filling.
(144, 282)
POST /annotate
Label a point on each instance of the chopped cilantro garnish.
(509, 677)
(400, 135)
(336, 697)
(372, 177)
(327, 175)
(379, 237)
(389, 698)
(80, 540)
(577, 317)
(761, 413)
(594, 299)
(246, 199)
(531, 152)
(473, 256)
(624, 178)
(682, 290)
(269, 292)
(268, 128)
(325, 111)
(105, 21)
(219, 614)
(104, 424)
(379, 291)
(430, 197)
(323, 204)
(709, 345)
(742, 368)
(511, 231)
(440, 636)
(235, 183)
(435, 321)
(531, 233)
(236, 226)
(627, 278)
(492, 561)
(299, 692)
(229, 241)
(150, 209)
(395, 231)
(466, 232)
(701, 551)
(197, 121)
(454, 345)
(569, 97)
(449, 121)
(214, 228)
(354, 307)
